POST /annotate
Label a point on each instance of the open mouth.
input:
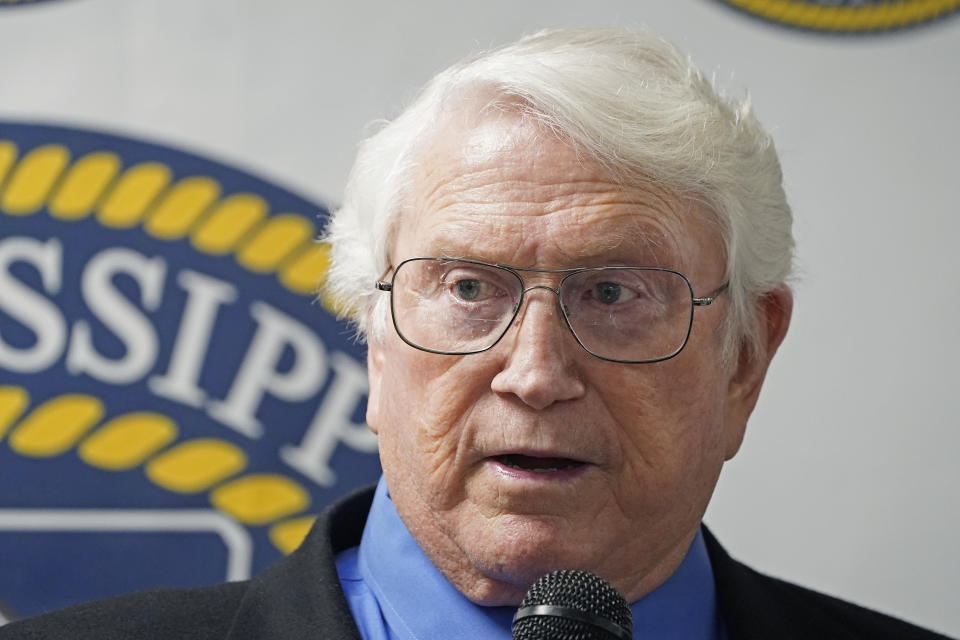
(538, 465)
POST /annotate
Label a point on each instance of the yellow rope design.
(142, 195)
(142, 439)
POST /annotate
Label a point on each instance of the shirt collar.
(391, 562)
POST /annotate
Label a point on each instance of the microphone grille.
(599, 604)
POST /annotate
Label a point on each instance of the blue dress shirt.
(395, 592)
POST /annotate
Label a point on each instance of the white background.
(848, 478)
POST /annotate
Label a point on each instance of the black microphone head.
(573, 605)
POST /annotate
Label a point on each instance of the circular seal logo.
(847, 16)
(175, 403)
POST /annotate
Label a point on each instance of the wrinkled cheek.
(443, 448)
(670, 466)
(425, 439)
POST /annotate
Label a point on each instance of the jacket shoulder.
(757, 606)
(822, 613)
(192, 613)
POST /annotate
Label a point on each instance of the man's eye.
(611, 293)
(468, 289)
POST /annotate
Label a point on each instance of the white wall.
(848, 479)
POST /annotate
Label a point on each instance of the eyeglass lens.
(618, 313)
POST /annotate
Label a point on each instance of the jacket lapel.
(300, 598)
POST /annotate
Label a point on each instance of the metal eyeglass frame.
(383, 285)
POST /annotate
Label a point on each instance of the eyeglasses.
(622, 314)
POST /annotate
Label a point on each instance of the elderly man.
(568, 258)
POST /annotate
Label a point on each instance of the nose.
(540, 368)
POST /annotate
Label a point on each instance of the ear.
(774, 310)
(375, 358)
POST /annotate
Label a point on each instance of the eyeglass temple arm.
(386, 286)
(708, 300)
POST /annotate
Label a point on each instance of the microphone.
(572, 605)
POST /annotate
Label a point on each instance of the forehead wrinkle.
(646, 242)
(507, 178)
(488, 189)
(586, 198)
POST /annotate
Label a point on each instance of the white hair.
(629, 100)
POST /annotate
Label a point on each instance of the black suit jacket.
(299, 598)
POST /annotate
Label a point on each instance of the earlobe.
(774, 310)
(374, 376)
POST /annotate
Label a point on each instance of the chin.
(523, 548)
